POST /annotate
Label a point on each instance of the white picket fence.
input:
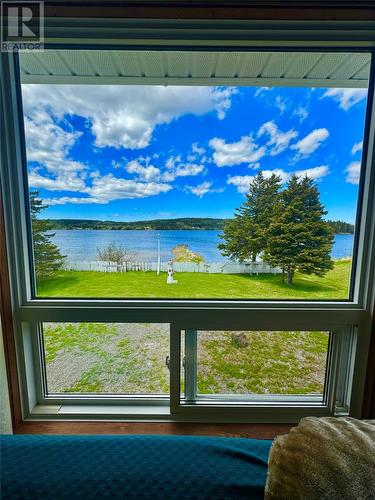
(178, 267)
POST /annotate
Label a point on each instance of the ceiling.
(152, 67)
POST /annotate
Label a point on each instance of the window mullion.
(190, 365)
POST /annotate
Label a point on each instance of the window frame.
(335, 400)
(309, 315)
(191, 396)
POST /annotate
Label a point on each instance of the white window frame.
(354, 316)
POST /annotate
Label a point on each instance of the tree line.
(157, 224)
(341, 227)
(284, 227)
(198, 223)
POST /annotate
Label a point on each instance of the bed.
(324, 458)
(157, 467)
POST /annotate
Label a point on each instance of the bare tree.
(114, 253)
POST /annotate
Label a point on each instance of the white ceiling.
(307, 69)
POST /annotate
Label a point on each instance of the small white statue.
(170, 279)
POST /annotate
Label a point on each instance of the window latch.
(168, 362)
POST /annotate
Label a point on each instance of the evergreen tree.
(246, 234)
(299, 238)
(47, 256)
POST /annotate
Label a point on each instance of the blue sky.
(134, 153)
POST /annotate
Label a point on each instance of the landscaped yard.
(198, 285)
(130, 359)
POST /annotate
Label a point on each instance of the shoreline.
(150, 229)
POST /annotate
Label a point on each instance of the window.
(237, 368)
(106, 358)
(190, 232)
(243, 192)
(247, 363)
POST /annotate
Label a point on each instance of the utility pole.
(158, 268)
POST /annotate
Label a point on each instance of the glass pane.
(106, 358)
(261, 362)
(191, 191)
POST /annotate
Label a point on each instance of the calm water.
(83, 244)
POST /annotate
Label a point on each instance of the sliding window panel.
(121, 359)
(255, 365)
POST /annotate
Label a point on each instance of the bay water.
(83, 244)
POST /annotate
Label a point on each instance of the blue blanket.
(132, 467)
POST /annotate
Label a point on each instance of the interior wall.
(5, 417)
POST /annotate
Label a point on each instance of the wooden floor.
(257, 431)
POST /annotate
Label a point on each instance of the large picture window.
(190, 232)
(233, 191)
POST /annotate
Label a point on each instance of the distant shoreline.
(178, 224)
(145, 229)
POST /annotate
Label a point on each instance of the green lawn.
(130, 359)
(198, 285)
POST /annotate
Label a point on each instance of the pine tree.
(47, 256)
(246, 234)
(299, 238)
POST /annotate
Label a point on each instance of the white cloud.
(281, 104)
(144, 173)
(49, 143)
(202, 189)
(229, 154)
(254, 166)
(117, 116)
(242, 182)
(176, 167)
(353, 172)
(187, 169)
(68, 182)
(108, 188)
(122, 115)
(279, 141)
(172, 160)
(358, 146)
(63, 200)
(260, 90)
(311, 142)
(346, 97)
(313, 173)
(272, 98)
(197, 149)
(301, 113)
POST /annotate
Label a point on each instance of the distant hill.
(163, 224)
(157, 224)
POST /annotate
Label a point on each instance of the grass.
(130, 359)
(334, 285)
(106, 358)
(271, 363)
